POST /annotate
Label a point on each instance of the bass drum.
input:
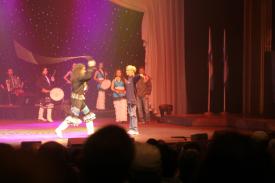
(57, 94)
(106, 84)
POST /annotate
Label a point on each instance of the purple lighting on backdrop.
(64, 28)
(72, 28)
(93, 24)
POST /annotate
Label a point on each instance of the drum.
(106, 84)
(57, 94)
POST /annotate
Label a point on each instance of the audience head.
(232, 157)
(107, 155)
(55, 163)
(169, 158)
(54, 152)
(110, 155)
(189, 164)
(147, 164)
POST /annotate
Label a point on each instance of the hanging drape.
(163, 36)
(257, 41)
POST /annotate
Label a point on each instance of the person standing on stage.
(67, 79)
(130, 84)
(119, 97)
(14, 87)
(2, 91)
(99, 76)
(79, 78)
(144, 89)
(67, 76)
(45, 84)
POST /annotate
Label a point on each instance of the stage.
(18, 124)
(16, 131)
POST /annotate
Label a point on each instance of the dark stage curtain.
(257, 42)
(163, 36)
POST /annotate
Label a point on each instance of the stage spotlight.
(165, 108)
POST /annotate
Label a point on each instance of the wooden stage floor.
(16, 131)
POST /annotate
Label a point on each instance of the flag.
(28, 56)
(210, 61)
(225, 61)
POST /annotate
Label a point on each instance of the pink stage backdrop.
(163, 36)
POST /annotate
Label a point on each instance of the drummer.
(119, 97)
(99, 76)
(45, 84)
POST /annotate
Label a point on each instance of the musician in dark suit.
(45, 84)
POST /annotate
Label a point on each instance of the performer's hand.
(52, 79)
(91, 63)
(121, 91)
(146, 78)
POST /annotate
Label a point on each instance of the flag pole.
(225, 73)
(210, 71)
(224, 70)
